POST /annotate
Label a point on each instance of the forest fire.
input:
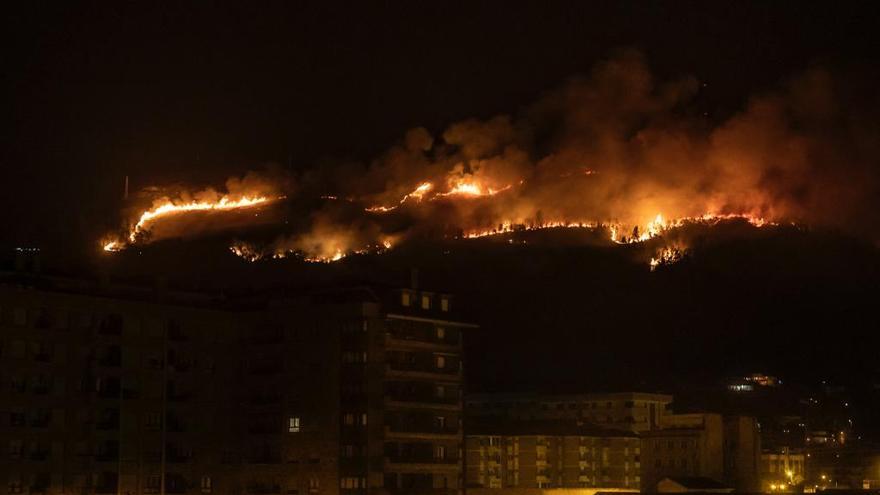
(615, 153)
(167, 208)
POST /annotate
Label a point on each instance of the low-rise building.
(550, 454)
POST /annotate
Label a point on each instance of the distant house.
(695, 484)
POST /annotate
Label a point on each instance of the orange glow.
(417, 194)
(469, 187)
(169, 208)
(113, 246)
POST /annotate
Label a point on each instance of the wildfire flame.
(169, 208)
(417, 194)
(458, 187)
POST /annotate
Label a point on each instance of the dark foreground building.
(130, 391)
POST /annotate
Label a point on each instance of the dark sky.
(178, 92)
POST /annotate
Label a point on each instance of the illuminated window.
(426, 302)
(440, 421)
(444, 304)
(440, 452)
(206, 484)
(404, 299)
(441, 333)
(293, 424)
(352, 483)
(440, 361)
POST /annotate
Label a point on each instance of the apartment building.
(725, 449)
(110, 389)
(549, 454)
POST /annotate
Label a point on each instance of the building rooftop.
(502, 426)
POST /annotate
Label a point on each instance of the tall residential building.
(108, 389)
(549, 454)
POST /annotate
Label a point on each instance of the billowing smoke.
(615, 148)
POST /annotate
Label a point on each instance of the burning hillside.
(616, 152)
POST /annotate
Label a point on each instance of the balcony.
(422, 460)
(39, 455)
(41, 421)
(425, 401)
(421, 339)
(107, 456)
(418, 431)
(427, 370)
(263, 489)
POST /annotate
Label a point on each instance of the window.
(440, 452)
(15, 449)
(14, 484)
(153, 420)
(440, 421)
(352, 483)
(444, 304)
(440, 391)
(404, 299)
(353, 419)
(426, 302)
(314, 484)
(293, 424)
(440, 361)
(206, 484)
(441, 333)
(152, 485)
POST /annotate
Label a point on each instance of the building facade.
(550, 455)
(130, 391)
(701, 445)
(628, 411)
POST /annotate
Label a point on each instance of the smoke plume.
(615, 147)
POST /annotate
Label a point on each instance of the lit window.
(404, 299)
(444, 304)
(293, 424)
(441, 362)
(441, 333)
(440, 391)
(206, 484)
(426, 302)
(440, 452)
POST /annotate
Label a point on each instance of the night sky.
(171, 93)
(196, 92)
